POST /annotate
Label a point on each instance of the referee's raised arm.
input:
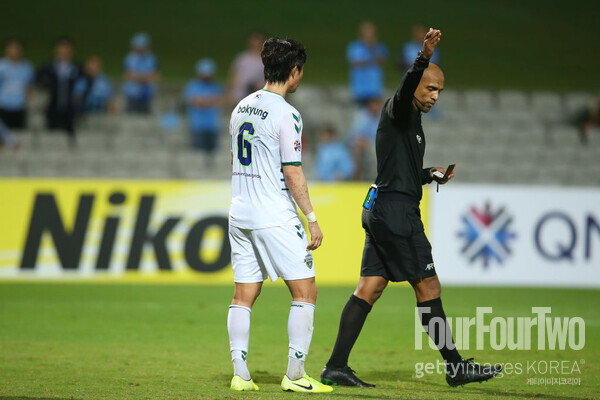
(404, 95)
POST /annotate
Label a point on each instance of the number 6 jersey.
(266, 134)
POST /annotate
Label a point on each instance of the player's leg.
(300, 324)
(300, 330)
(283, 253)
(433, 320)
(248, 278)
(238, 326)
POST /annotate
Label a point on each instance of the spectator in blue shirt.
(362, 139)
(411, 49)
(93, 91)
(333, 161)
(141, 75)
(366, 57)
(16, 80)
(204, 98)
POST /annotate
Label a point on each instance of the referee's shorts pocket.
(392, 217)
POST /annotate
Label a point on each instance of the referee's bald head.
(429, 89)
(434, 71)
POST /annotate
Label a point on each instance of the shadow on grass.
(35, 398)
(493, 387)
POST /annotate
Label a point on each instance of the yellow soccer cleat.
(240, 385)
(306, 384)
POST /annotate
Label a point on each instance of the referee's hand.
(316, 236)
(432, 38)
(441, 181)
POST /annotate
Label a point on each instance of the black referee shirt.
(400, 141)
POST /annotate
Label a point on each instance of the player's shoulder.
(289, 109)
(274, 102)
(243, 106)
(283, 111)
(249, 99)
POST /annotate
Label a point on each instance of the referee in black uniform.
(396, 248)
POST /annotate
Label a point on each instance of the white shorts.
(274, 252)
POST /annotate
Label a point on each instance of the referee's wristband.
(311, 217)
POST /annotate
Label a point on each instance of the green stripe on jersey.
(283, 164)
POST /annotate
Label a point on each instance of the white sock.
(300, 330)
(238, 325)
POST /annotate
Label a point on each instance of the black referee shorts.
(396, 247)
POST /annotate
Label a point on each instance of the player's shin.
(300, 329)
(238, 326)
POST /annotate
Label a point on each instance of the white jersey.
(266, 134)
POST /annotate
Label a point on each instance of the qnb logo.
(487, 234)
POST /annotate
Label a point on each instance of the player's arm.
(403, 97)
(290, 139)
(296, 183)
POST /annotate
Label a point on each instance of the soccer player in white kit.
(266, 235)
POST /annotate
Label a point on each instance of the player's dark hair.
(280, 56)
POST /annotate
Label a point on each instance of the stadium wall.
(175, 231)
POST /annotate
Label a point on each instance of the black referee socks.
(353, 318)
(428, 310)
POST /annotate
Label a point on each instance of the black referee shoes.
(342, 376)
(468, 371)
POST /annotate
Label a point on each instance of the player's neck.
(277, 88)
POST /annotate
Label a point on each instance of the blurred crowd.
(76, 91)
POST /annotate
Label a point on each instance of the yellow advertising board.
(153, 231)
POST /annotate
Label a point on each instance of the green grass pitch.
(67, 341)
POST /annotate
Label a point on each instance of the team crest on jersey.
(419, 139)
(309, 260)
(257, 95)
(297, 145)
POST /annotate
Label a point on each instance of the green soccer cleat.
(306, 384)
(240, 385)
